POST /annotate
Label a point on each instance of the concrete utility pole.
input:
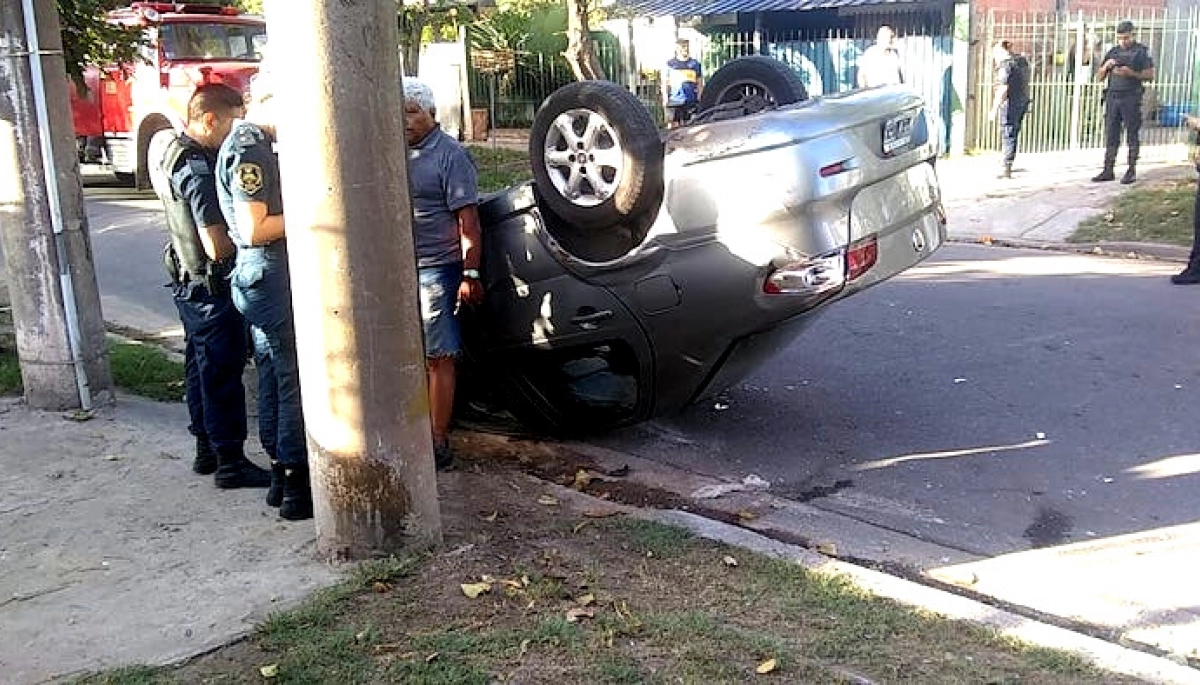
(43, 228)
(336, 71)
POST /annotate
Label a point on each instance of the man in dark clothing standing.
(1011, 98)
(1191, 274)
(1126, 67)
(199, 258)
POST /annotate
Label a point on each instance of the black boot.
(1130, 175)
(205, 462)
(297, 494)
(1105, 175)
(275, 492)
(236, 471)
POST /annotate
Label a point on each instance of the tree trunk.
(581, 51)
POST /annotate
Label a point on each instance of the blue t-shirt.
(247, 170)
(442, 180)
(683, 75)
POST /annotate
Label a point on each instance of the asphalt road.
(991, 400)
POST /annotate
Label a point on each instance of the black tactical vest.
(191, 262)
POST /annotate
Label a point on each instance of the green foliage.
(146, 371)
(89, 39)
(10, 370)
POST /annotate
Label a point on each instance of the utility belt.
(185, 283)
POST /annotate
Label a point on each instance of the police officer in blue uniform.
(1127, 66)
(198, 258)
(251, 198)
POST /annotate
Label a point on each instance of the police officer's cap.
(1125, 27)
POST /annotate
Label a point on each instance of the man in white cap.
(448, 241)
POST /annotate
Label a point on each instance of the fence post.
(1080, 81)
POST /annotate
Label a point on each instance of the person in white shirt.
(879, 64)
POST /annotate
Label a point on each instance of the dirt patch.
(570, 589)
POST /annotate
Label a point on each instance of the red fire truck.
(128, 112)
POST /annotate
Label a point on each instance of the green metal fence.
(1064, 52)
(511, 84)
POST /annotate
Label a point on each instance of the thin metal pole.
(50, 171)
(1080, 81)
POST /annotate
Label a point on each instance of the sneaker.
(1106, 175)
(1129, 177)
(443, 456)
(1005, 173)
(1186, 277)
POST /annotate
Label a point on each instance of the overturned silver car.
(644, 270)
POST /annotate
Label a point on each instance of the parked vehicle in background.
(643, 270)
(128, 112)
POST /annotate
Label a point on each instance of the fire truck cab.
(129, 112)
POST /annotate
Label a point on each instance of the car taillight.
(861, 256)
(808, 277)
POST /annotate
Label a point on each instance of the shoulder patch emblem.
(249, 178)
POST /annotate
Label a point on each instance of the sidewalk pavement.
(1048, 196)
(148, 563)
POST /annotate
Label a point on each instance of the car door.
(571, 355)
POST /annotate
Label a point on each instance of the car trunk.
(803, 180)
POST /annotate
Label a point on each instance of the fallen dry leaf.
(573, 615)
(380, 586)
(388, 648)
(362, 635)
(579, 526)
(586, 600)
(433, 656)
(512, 582)
(600, 513)
(490, 518)
(766, 667)
(729, 561)
(548, 500)
(828, 549)
(746, 515)
(582, 479)
(269, 671)
(473, 590)
(524, 646)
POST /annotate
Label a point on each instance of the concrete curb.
(1102, 654)
(795, 530)
(1126, 250)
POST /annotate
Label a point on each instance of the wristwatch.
(472, 274)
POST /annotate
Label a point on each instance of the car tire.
(756, 82)
(597, 156)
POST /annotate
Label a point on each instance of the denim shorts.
(439, 309)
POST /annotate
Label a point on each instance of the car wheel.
(597, 157)
(754, 82)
